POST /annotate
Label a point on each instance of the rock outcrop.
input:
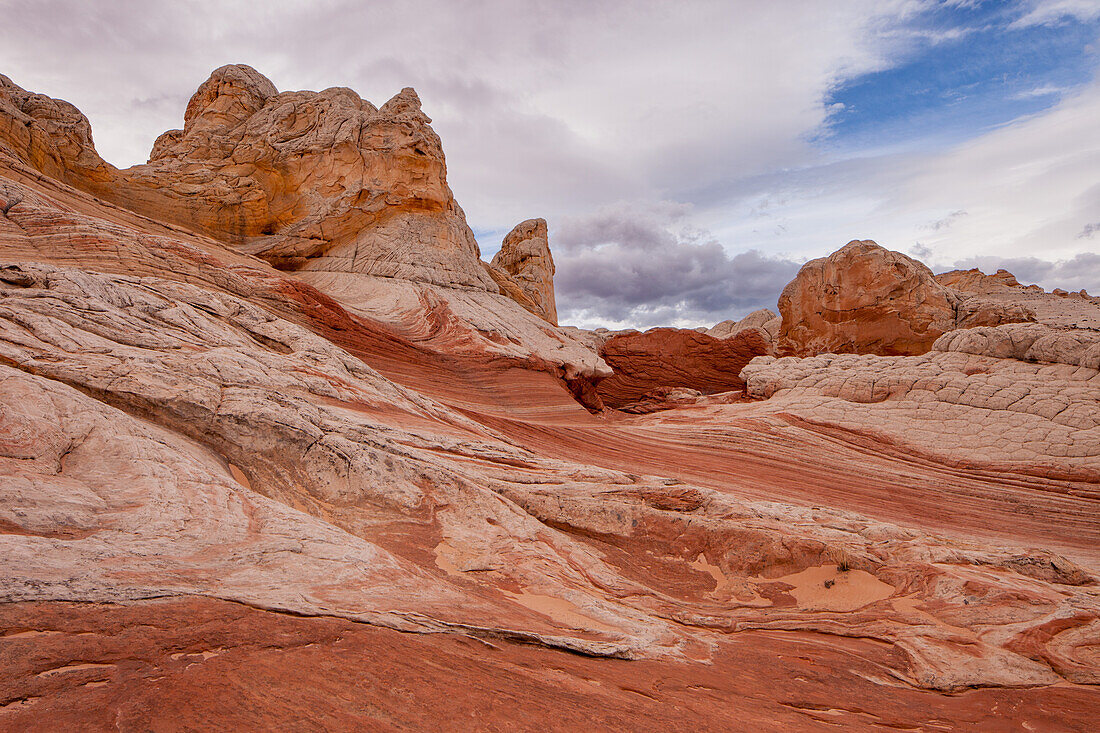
(1057, 309)
(765, 319)
(305, 180)
(976, 281)
(218, 478)
(50, 135)
(961, 405)
(525, 257)
(865, 299)
(313, 180)
(320, 170)
(1030, 342)
(675, 358)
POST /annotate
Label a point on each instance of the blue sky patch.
(966, 70)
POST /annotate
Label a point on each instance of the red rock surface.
(233, 497)
(675, 357)
(221, 665)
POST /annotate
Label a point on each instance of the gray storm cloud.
(646, 268)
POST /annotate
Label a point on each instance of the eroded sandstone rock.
(1032, 342)
(866, 299)
(306, 180)
(764, 319)
(212, 471)
(47, 221)
(976, 281)
(967, 402)
(670, 357)
(525, 257)
(50, 135)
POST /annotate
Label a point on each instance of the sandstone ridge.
(306, 180)
(351, 198)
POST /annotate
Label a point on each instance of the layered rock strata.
(665, 358)
(213, 472)
(765, 319)
(306, 180)
(356, 197)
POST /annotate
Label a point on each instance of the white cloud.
(1053, 12)
(543, 108)
(1046, 90)
(1026, 189)
(566, 110)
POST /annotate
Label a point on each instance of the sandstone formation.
(250, 160)
(50, 135)
(1002, 291)
(765, 319)
(976, 281)
(525, 257)
(865, 299)
(664, 358)
(950, 404)
(306, 180)
(234, 496)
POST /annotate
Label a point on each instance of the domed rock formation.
(50, 135)
(525, 256)
(865, 299)
(316, 180)
(976, 281)
(351, 198)
(763, 320)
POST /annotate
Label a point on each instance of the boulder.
(764, 319)
(865, 299)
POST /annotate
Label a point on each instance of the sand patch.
(561, 611)
(721, 582)
(239, 477)
(28, 634)
(826, 588)
(74, 668)
(205, 654)
(443, 561)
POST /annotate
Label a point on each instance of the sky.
(688, 156)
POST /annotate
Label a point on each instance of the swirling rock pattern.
(236, 496)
